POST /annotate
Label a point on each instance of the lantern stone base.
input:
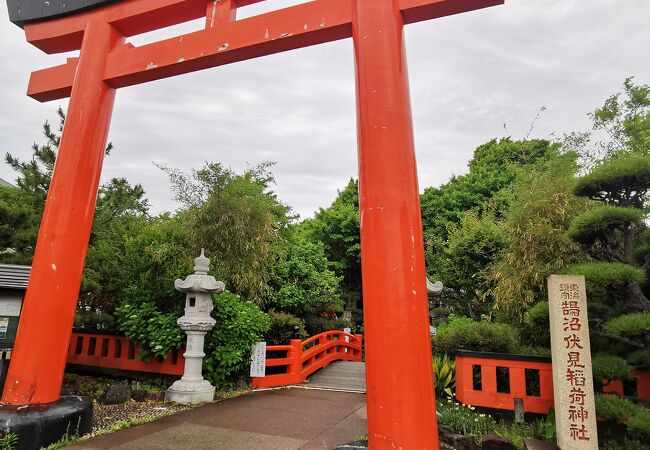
(185, 392)
(38, 426)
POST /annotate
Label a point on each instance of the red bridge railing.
(119, 353)
(293, 363)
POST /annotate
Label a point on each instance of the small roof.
(13, 276)
(434, 288)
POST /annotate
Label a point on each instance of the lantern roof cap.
(200, 281)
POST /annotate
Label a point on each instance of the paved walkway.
(344, 376)
(285, 419)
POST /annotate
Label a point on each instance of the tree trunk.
(637, 299)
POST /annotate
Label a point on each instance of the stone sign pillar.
(575, 412)
(196, 322)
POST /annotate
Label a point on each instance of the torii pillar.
(399, 376)
(400, 393)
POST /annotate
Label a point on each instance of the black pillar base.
(363, 445)
(41, 425)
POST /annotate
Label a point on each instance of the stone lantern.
(196, 322)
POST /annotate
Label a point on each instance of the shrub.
(626, 444)
(444, 376)
(535, 351)
(454, 323)
(158, 333)
(464, 420)
(610, 367)
(476, 336)
(639, 358)
(635, 324)
(635, 417)
(229, 345)
(284, 327)
(535, 329)
(93, 320)
(515, 433)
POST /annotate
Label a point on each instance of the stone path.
(285, 419)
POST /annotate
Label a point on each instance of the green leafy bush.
(608, 178)
(626, 444)
(453, 324)
(464, 420)
(601, 276)
(444, 376)
(639, 358)
(534, 351)
(635, 324)
(476, 336)
(610, 367)
(94, 320)
(535, 329)
(515, 433)
(635, 417)
(611, 406)
(9, 441)
(158, 333)
(591, 225)
(229, 345)
(284, 327)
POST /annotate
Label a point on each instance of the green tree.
(493, 168)
(337, 228)
(536, 223)
(302, 284)
(136, 261)
(236, 218)
(611, 234)
(18, 226)
(463, 269)
(22, 207)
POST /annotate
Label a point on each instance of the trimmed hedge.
(601, 276)
(611, 175)
(283, 328)
(476, 336)
(610, 367)
(535, 329)
(635, 417)
(591, 225)
(635, 324)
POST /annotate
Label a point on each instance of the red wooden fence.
(119, 353)
(293, 363)
(527, 377)
(530, 378)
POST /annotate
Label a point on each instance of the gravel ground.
(106, 416)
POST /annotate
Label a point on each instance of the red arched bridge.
(294, 363)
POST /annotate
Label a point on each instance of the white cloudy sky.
(469, 75)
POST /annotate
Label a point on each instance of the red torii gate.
(401, 403)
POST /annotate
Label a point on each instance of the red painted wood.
(286, 29)
(120, 362)
(36, 371)
(642, 384)
(399, 379)
(488, 396)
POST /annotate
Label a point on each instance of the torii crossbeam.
(401, 403)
